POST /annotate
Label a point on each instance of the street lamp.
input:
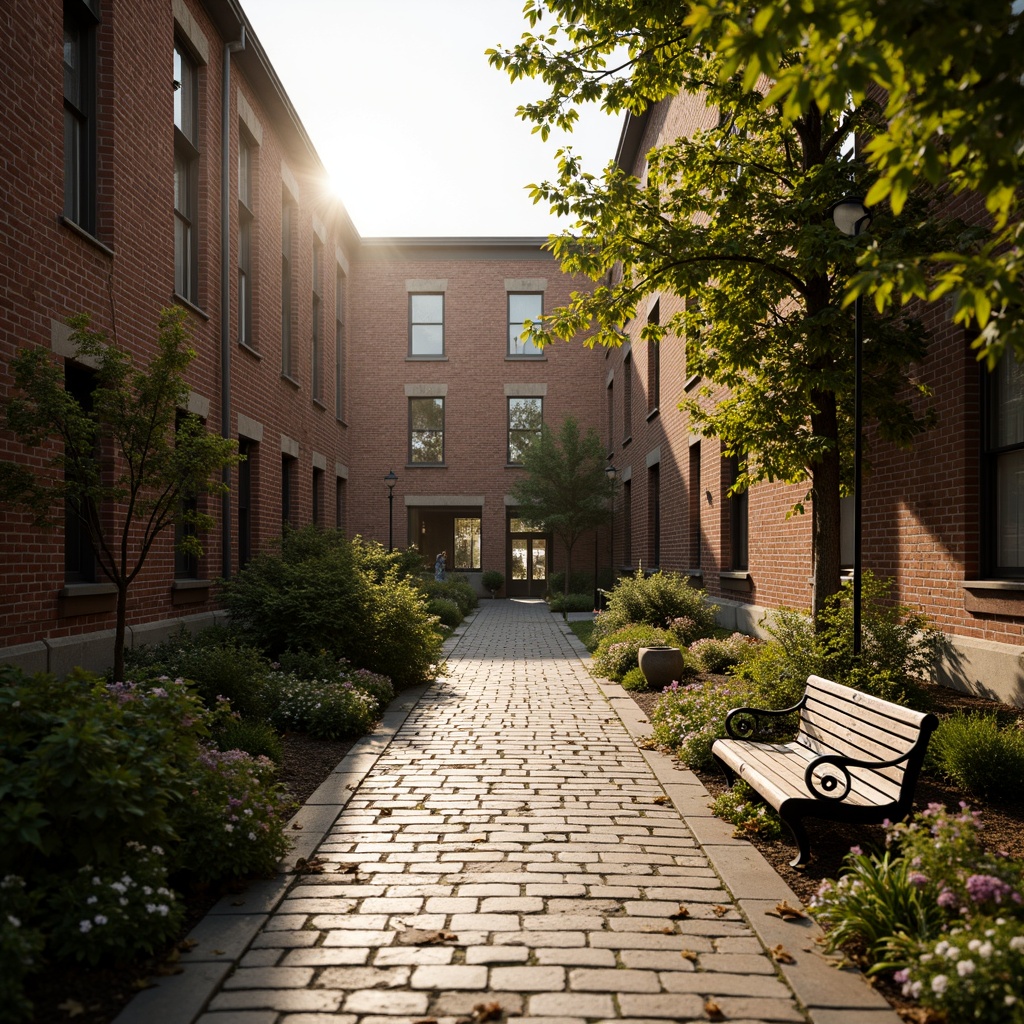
(391, 480)
(612, 473)
(851, 217)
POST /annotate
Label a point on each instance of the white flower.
(974, 945)
(1017, 943)
(1010, 1000)
(100, 919)
(122, 901)
(119, 887)
(158, 850)
(85, 926)
(985, 950)
(92, 899)
(15, 923)
(965, 968)
(939, 983)
(252, 836)
(229, 827)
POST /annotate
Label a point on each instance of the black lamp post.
(612, 473)
(391, 480)
(852, 219)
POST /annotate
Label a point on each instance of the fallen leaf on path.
(425, 937)
(312, 866)
(296, 825)
(713, 1010)
(486, 1011)
(781, 955)
(72, 1007)
(786, 911)
(688, 954)
(682, 911)
(346, 869)
(661, 799)
(187, 944)
(385, 811)
(719, 911)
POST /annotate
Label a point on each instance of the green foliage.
(454, 588)
(584, 632)
(635, 681)
(377, 686)
(232, 824)
(565, 488)
(742, 807)
(447, 611)
(898, 650)
(492, 580)
(689, 718)
(979, 757)
(259, 739)
(572, 603)
(162, 458)
(328, 709)
(122, 911)
(314, 597)
(20, 946)
(375, 559)
(618, 652)
(659, 600)
(580, 582)
(718, 654)
(215, 662)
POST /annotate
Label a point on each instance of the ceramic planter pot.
(661, 665)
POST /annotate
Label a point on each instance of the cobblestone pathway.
(510, 848)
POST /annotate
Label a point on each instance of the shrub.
(260, 739)
(689, 718)
(454, 588)
(232, 824)
(405, 646)
(657, 600)
(377, 561)
(20, 946)
(978, 756)
(635, 681)
(571, 602)
(447, 611)
(377, 686)
(492, 580)
(215, 663)
(326, 709)
(741, 806)
(617, 652)
(579, 583)
(972, 973)
(110, 914)
(716, 655)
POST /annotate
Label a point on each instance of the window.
(738, 519)
(245, 235)
(318, 495)
(80, 113)
(627, 397)
(287, 215)
(339, 503)
(426, 324)
(611, 418)
(79, 557)
(186, 175)
(1003, 469)
(521, 308)
(467, 544)
(654, 515)
(525, 418)
(339, 344)
(426, 430)
(317, 353)
(694, 505)
(247, 449)
(186, 563)
(287, 490)
(654, 363)
(627, 522)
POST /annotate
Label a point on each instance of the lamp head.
(851, 216)
(391, 480)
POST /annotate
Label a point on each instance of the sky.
(417, 131)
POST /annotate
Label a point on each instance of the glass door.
(527, 560)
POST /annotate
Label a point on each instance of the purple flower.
(918, 878)
(946, 899)
(982, 888)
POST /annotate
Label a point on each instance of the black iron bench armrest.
(837, 788)
(741, 728)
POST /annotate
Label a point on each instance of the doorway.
(527, 560)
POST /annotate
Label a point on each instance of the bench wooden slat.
(838, 721)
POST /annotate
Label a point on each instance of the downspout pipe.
(225, 293)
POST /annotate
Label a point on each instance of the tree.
(565, 490)
(735, 219)
(127, 460)
(952, 81)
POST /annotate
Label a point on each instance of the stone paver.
(503, 839)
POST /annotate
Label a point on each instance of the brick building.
(161, 162)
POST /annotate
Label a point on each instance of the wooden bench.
(856, 758)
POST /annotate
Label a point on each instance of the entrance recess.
(527, 560)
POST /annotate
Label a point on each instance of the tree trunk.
(825, 479)
(119, 631)
(568, 566)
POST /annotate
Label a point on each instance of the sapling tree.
(127, 459)
(565, 489)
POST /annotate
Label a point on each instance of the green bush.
(657, 600)
(447, 611)
(377, 561)
(974, 753)
(635, 681)
(579, 583)
(405, 645)
(260, 739)
(688, 719)
(742, 807)
(215, 662)
(21, 944)
(377, 686)
(618, 652)
(571, 602)
(325, 709)
(454, 588)
(718, 654)
(493, 581)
